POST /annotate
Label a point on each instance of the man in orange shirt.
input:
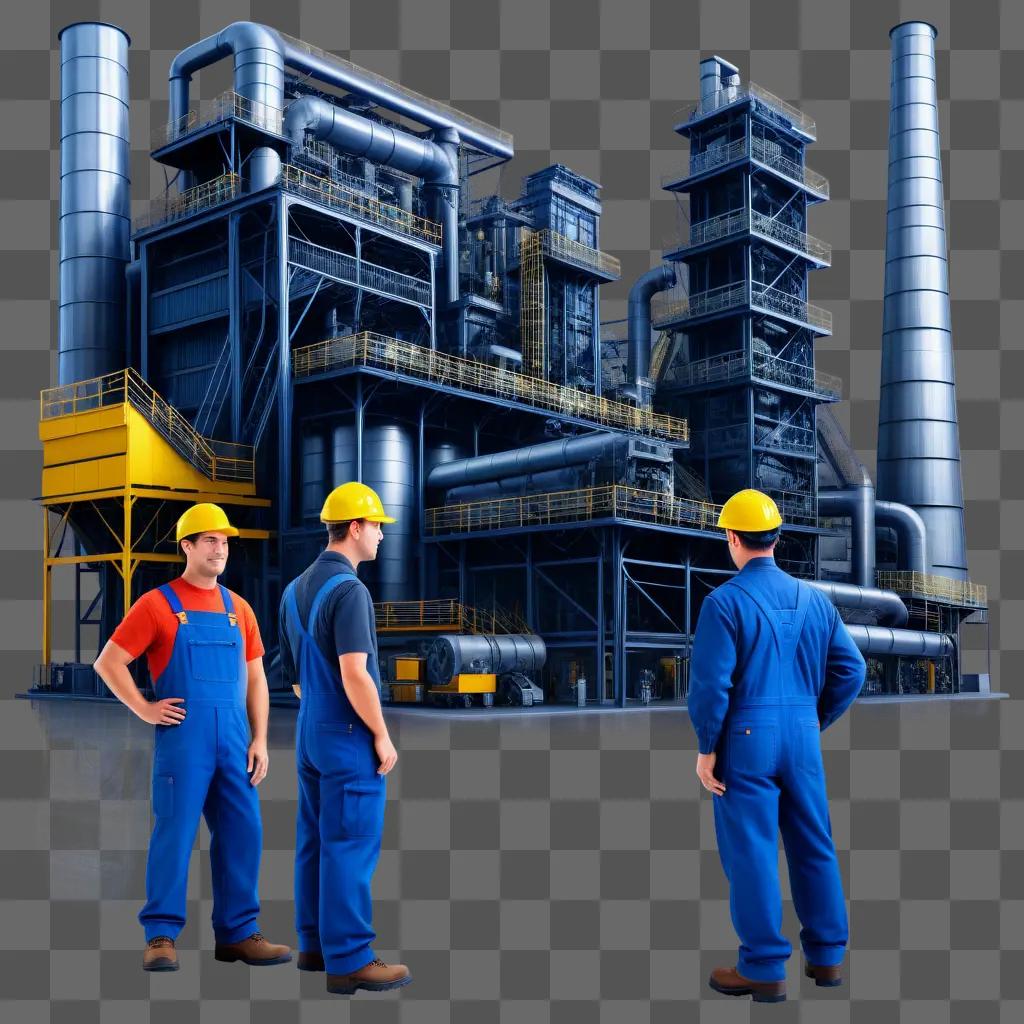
(205, 659)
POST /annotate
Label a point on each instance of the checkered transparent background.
(559, 868)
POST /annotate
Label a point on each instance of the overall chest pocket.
(752, 748)
(214, 659)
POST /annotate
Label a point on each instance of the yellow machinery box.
(407, 693)
(469, 682)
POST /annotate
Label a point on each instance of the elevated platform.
(392, 357)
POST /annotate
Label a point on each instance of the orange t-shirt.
(150, 626)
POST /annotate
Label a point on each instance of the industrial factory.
(320, 296)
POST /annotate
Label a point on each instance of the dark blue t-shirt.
(345, 623)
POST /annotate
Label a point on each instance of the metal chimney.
(95, 200)
(918, 441)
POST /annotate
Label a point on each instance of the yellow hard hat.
(353, 501)
(750, 511)
(204, 518)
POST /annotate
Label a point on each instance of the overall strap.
(326, 589)
(794, 628)
(229, 605)
(172, 599)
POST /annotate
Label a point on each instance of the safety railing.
(227, 105)
(673, 309)
(554, 244)
(930, 585)
(218, 460)
(775, 300)
(344, 267)
(784, 371)
(771, 156)
(794, 506)
(612, 501)
(735, 221)
(779, 231)
(193, 200)
(379, 351)
(441, 613)
(738, 93)
(340, 197)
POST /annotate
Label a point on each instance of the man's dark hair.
(337, 532)
(758, 541)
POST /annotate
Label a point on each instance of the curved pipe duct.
(886, 604)
(571, 451)
(918, 435)
(95, 200)
(859, 504)
(258, 76)
(911, 534)
(907, 642)
(436, 163)
(638, 357)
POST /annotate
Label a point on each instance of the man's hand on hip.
(706, 774)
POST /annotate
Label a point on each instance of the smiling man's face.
(208, 556)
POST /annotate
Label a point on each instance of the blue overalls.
(769, 669)
(200, 767)
(341, 802)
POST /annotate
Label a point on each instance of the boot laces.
(159, 941)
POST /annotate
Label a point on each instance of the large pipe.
(537, 483)
(859, 504)
(261, 54)
(906, 642)
(572, 451)
(886, 604)
(258, 76)
(638, 359)
(918, 438)
(436, 163)
(95, 200)
(911, 534)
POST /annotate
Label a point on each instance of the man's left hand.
(258, 761)
(706, 774)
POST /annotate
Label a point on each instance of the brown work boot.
(825, 977)
(160, 955)
(311, 962)
(254, 951)
(376, 976)
(730, 982)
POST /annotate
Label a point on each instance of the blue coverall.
(773, 665)
(200, 767)
(341, 798)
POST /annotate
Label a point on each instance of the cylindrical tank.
(313, 473)
(95, 200)
(452, 654)
(389, 468)
(441, 453)
(343, 454)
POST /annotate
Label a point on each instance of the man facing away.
(342, 747)
(772, 666)
(205, 660)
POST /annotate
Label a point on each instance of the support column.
(47, 596)
(235, 311)
(284, 383)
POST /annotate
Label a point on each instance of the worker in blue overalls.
(204, 651)
(772, 666)
(342, 747)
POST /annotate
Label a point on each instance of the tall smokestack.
(918, 440)
(95, 200)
